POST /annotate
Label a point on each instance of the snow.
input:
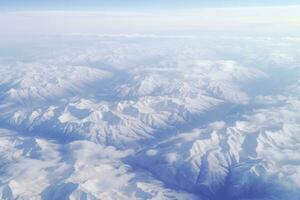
(132, 118)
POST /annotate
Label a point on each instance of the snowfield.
(151, 118)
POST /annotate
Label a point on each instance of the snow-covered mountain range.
(151, 118)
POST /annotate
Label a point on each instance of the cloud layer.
(251, 21)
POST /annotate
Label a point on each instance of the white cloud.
(196, 21)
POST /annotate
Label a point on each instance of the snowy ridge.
(41, 169)
(252, 155)
(140, 106)
(35, 81)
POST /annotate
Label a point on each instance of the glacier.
(97, 117)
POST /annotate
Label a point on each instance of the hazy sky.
(21, 19)
(134, 5)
